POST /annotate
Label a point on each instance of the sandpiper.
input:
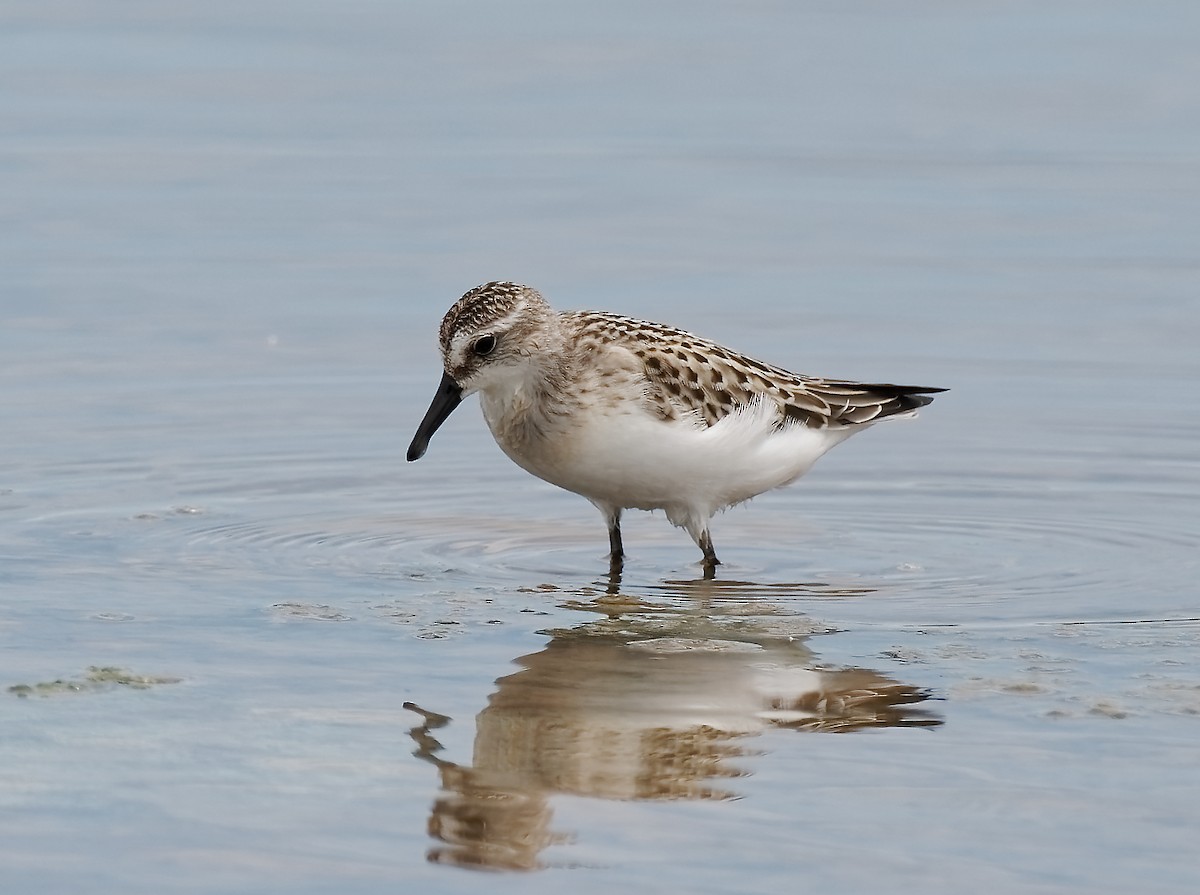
(637, 415)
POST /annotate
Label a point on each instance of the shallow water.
(254, 650)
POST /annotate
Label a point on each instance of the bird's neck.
(533, 402)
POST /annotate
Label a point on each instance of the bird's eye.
(484, 345)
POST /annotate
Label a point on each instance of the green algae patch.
(98, 679)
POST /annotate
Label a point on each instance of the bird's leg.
(616, 552)
(710, 555)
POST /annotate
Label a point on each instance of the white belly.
(636, 461)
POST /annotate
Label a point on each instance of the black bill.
(448, 396)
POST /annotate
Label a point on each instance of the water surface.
(255, 651)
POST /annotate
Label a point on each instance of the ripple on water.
(493, 549)
(985, 530)
(848, 547)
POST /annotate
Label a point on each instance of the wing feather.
(687, 375)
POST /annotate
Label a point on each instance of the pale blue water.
(227, 234)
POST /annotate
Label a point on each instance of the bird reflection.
(636, 708)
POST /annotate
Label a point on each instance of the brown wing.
(687, 374)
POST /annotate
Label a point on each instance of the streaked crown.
(489, 326)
